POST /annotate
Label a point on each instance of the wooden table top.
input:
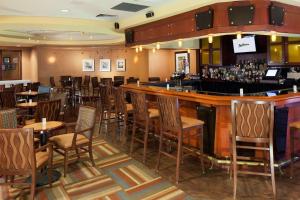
(27, 105)
(27, 93)
(50, 125)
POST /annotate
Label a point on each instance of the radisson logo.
(243, 44)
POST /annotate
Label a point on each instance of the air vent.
(129, 7)
(105, 15)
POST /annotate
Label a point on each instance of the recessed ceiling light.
(64, 10)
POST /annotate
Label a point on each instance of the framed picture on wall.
(120, 65)
(88, 65)
(182, 62)
(104, 65)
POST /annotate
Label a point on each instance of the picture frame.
(182, 62)
(121, 65)
(88, 65)
(105, 65)
(6, 60)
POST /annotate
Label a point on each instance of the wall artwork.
(182, 62)
(104, 65)
(88, 65)
(121, 65)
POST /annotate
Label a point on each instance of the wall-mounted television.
(272, 73)
(244, 45)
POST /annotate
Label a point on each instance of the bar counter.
(189, 101)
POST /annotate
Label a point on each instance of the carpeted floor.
(115, 176)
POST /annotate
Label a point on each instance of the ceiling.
(74, 22)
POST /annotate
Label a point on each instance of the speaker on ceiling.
(129, 36)
(117, 25)
(241, 15)
(204, 20)
(276, 15)
(149, 14)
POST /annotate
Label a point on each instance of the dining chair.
(80, 139)
(52, 82)
(178, 128)
(252, 129)
(143, 117)
(19, 158)
(8, 98)
(46, 109)
(62, 96)
(86, 85)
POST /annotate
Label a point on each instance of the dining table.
(28, 94)
(27, 105)
(44, 129)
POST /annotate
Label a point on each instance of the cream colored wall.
(29, 64)
(162, 63)
(68, 61)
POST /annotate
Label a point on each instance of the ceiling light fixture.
(157, 46)
(273, 36)
(180, 43)
(64, 10)
(210, 39)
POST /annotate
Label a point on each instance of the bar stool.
(142, 118)
(294, 126)
(173, 126)
(122, 111)
(106, 104)
(252, 123)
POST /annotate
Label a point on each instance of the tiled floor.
(215, 184)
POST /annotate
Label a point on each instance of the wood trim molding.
(184, 26)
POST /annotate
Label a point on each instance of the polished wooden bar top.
(279, 100)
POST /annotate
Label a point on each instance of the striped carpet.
(115, 176)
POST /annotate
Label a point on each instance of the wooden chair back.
(8, 98)
(19, 87)
(77, 82)
(34, 86)
(48, 109)
(59, 96)
(8, 119)
(252, 121)
(169, 115)
(95, 82)
(86, 119)
(120, 103)
(17, 151)
(140, 106)
(86, 81)
(104, 95)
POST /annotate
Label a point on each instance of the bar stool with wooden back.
(106, 104)
(252, 129)
(178, 128)
(86, 85)
(122, 111)
(142, 119)
(19, 157)
(95, 85)
(294, 127)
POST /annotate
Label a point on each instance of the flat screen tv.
(271, 73)
(244, 45)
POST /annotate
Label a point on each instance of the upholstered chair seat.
(65, 140)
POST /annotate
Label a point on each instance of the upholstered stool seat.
(188, 122)
(65, 140)
(129, 107)
(153, 113)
